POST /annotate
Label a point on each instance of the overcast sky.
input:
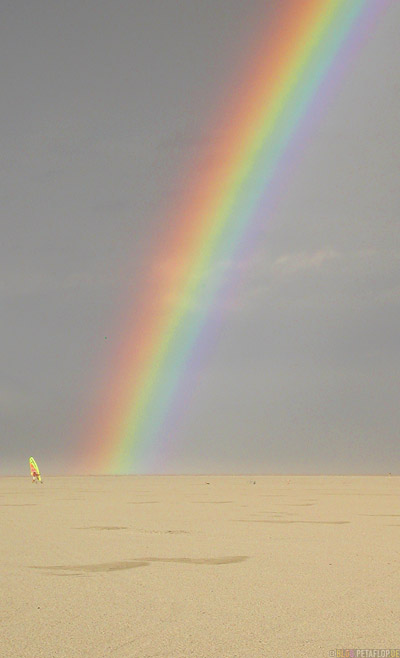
(103, 105)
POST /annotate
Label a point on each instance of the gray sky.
(103, 104)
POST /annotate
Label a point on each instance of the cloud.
(293, 263)
(347, 278)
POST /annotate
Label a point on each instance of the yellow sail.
(34, 469)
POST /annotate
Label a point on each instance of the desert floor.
(201, 566)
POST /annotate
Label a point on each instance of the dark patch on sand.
(106, 567)
(379, 515)
(269, 513)
(353, 493)
(17, 504)
(207, 560)
(290, 521)
(66, 575)
(102, 567)
(102, 527)
(299, 504)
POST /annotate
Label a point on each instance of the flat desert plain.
(203, 566)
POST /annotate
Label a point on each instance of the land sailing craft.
(36, 477)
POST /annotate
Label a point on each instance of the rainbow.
(304, 44)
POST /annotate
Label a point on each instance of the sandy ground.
(199, 566)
